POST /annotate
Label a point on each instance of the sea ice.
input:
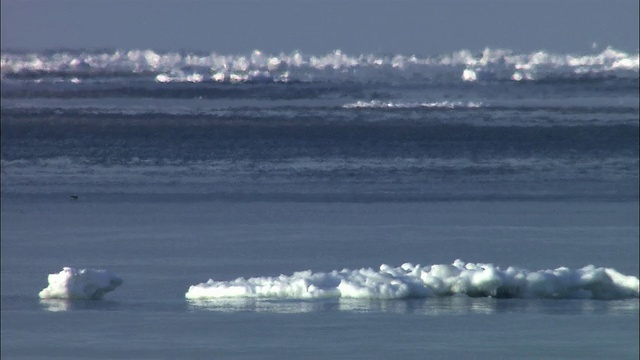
(87, 284)
(416, 281)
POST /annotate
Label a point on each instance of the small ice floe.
(85, 284)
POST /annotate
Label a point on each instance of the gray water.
(162, 245)
(187, 167)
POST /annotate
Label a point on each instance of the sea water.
(203, 205)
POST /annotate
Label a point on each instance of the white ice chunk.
(87, 284)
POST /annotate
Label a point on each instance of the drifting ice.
(416, 281)
(87, 284)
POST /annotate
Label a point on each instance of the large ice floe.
(416, 281)
(86, 284)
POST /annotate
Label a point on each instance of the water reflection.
(455, 305)
(263, 305)
(60, 305)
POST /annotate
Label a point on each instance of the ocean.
(184, 205)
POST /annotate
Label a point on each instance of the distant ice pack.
(76, 66)
(416, 281)
(87, 284)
